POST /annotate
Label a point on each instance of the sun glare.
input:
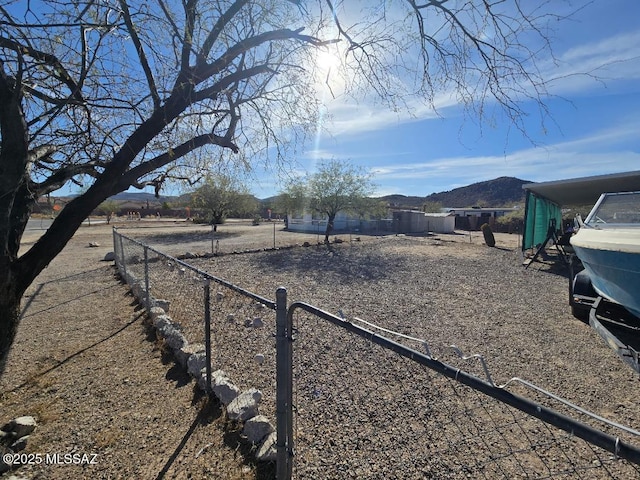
(327, 61)
(329, 71)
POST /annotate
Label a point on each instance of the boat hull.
(612, 259)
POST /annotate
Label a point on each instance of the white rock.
(222, 387)
(182, 355)
(163, 304)
(267, 451)
(21, 426)
(161, 322)
(20, 444)
(174, 337)
(245, 405)
(138, 291)
(257, 428)
(195, 363)
(155, 312)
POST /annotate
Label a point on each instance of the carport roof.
(585, 190)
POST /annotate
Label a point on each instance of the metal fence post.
(115, 246)
(284, 388)
(124, 259)
(207, 330)
(147, 296)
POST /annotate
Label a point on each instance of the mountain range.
(499, 192)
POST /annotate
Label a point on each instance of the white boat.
(608, 245)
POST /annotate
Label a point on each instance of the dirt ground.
(87, 366)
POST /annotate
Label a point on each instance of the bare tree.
(114, 94)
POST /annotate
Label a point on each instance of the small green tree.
(511, 222)
(219, 196)
(336, 186)
(293, 199)
(108, 208)
(244, 205)
(369, 208)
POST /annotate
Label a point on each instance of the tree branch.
(141, 55)
(132, 175)
(222, 22)
(206, 71)
(63, 175)
(58, 70)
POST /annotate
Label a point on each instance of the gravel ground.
(85, 364)
(357, 398)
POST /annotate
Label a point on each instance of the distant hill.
(403, 201)
(141, 197)
(500, 192)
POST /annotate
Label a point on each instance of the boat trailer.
(619, 328)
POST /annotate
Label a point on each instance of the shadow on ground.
(76, 354)
(185, 237)
(344, 262)
(211, 411)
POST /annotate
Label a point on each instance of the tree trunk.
(9, 318)
(329, 229)
(17, 273)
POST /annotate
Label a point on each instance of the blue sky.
(594, 129)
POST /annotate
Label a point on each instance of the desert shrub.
(511, 222)
(489, 239)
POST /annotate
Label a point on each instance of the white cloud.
(587, 156)
(587, 66)
(346, 117)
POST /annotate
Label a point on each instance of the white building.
(403, 221)
(416, 221)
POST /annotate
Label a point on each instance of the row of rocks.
(241, 406)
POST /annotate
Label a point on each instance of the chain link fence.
(414, 414)
(235, 324)
(351, 403)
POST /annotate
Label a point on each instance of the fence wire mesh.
(363, 411)
(242, 342)
(241, 323)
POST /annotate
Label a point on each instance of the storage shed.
(441, 222)
(416, 221)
